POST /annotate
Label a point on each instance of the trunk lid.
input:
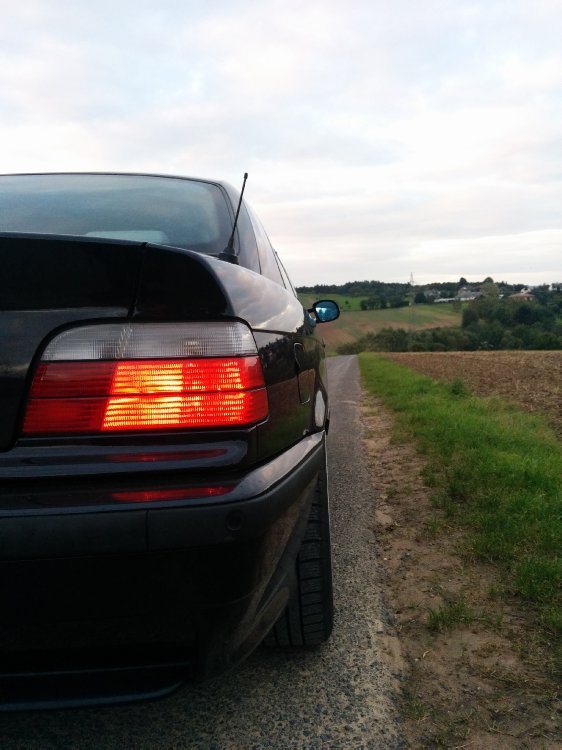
(47, 283)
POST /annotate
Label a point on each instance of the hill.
(354, 322)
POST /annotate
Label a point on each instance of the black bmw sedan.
(163, 414)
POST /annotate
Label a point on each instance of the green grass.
(450, 615)
(496, 471)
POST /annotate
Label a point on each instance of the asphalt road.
(340, 696)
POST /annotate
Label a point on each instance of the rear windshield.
(165, 210)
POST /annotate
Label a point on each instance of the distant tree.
(489, 289)
(524, 314)
(463, 281)
(420, 298)
(542, 294)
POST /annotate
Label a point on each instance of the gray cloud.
(381, 139)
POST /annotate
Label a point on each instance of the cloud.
(380, 138)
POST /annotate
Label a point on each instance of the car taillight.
(189, 493)
(153, 376)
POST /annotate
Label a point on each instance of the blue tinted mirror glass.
(326, 310)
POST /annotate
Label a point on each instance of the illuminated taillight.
(137, 377)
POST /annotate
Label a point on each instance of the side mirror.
(325, 310)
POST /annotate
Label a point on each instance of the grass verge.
(497, 471)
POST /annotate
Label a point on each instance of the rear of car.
(163, 409)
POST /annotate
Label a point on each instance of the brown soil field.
(532, 379)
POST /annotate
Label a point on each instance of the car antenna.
(228, 253)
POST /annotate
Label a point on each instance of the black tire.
(308, 617)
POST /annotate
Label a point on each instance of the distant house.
(524, 295)
(468, 293)
(431, 293)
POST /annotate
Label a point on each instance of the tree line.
(389, 288)
(378, 295)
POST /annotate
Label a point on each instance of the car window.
(285, 276)
(268, 263)
(247, 250)
(179, 212)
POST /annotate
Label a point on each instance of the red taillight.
(180, 376)
(140, 394)
(205, 410)
(150, 496)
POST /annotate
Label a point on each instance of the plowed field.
(532, 379)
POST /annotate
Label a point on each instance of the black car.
(163, 419)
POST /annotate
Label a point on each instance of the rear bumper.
(105, 602)
(46, 520)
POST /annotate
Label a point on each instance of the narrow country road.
(341, 696)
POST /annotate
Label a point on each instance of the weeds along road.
(340, 696)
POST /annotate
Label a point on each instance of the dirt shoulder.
(478, 674)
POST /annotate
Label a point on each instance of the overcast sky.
(382, 137)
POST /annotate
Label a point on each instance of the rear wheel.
(308, 617)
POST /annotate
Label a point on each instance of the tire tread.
(308, 617)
